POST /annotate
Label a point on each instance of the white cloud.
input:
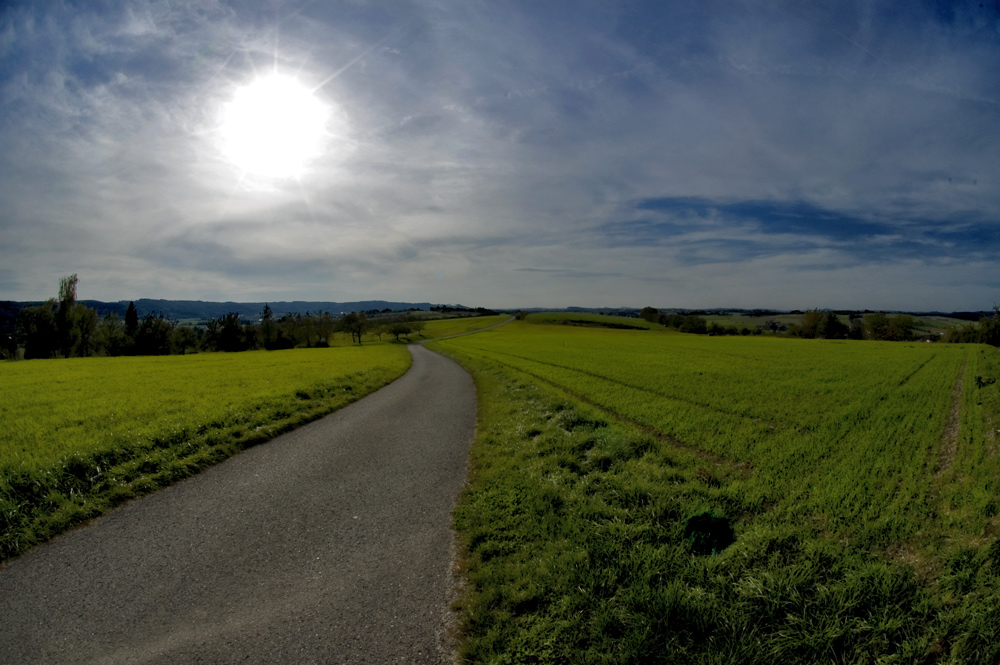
(479, 146)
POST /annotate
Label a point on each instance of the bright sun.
(273, 127)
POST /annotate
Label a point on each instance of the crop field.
(438, 328)
(588, 320)
(859, 481)
(80, 435)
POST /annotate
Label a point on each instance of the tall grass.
(587, 468)
(80, 435)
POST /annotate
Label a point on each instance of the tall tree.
(86, 323)
(37, 330)
(131, 320)
(228, 334)
(109, 337)
(59, 326)
(155, 335)
(877, 324)
(268, 330)
(324, 328)
(185, 338)
(899, 328)
(989, 328)
(308, 329)
(65, 324)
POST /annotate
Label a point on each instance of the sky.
(768, 154)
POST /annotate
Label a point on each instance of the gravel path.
(330, 544)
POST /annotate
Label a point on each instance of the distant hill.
(197, 309)
(203, 311)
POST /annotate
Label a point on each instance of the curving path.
(330, 544)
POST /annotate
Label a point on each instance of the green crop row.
(840, 435)
(574, 524)
(80, 435)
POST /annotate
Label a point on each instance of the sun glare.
(273, 127)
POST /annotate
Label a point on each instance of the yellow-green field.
(588, 320)
(78, 435)
(859, 480)
(439, 328)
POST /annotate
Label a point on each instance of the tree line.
(986, 331)
(63, 327)
(816, 324)
(896, 328)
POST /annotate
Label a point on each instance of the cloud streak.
(511, 154)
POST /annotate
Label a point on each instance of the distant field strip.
(80, 434)
(460, 325)
(848, 433)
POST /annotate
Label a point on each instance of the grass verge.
(84, 435)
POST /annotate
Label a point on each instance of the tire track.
(953, 425)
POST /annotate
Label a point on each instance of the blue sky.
(510, 154)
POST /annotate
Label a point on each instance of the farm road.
(330, 544)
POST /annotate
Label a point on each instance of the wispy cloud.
(772, 154)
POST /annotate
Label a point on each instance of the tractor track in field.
(953, 425)
(742, 467)
(771, 424)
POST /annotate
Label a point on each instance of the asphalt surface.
(329, 544)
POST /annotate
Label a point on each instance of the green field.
(859, 479)
(588, 320)
(436, 329)
(80, 435)
(851, 487)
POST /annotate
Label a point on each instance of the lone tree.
(399, 328)
(131, 325)
(268, 329)
(650, 314)
(356, 323)
(68, 333)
